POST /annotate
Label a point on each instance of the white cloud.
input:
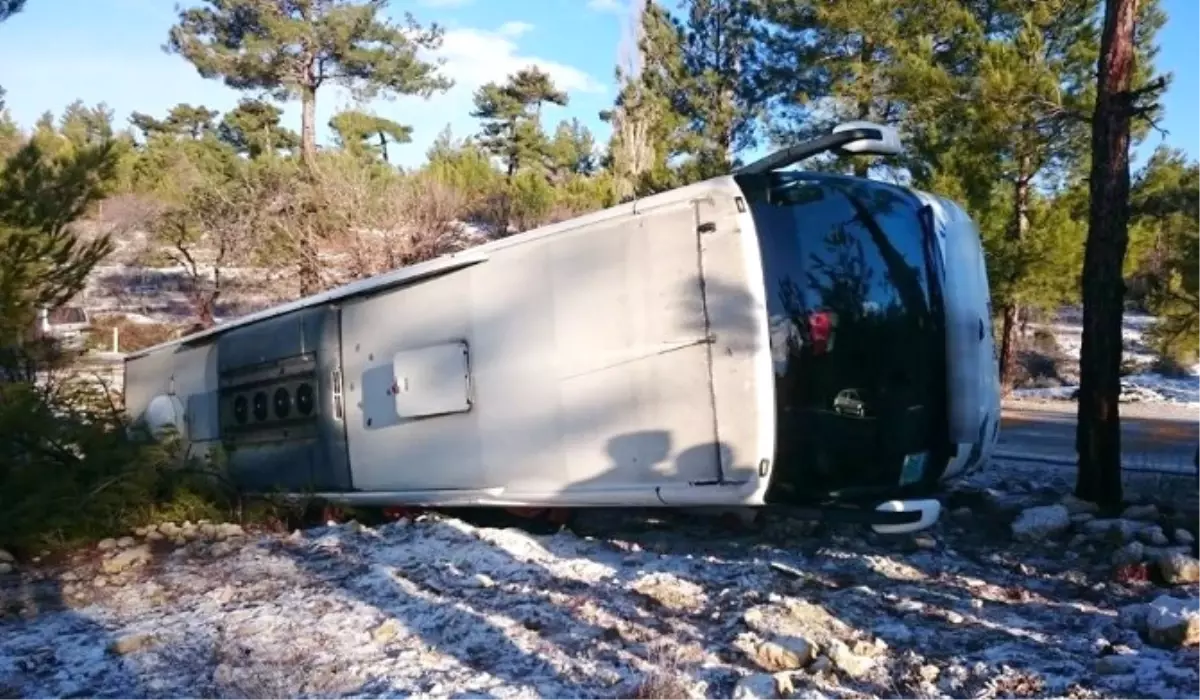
(614, 6)
(476, 56)
(514, 29)
(472, 58)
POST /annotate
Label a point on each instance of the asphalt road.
(1160, 443)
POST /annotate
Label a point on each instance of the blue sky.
(110, 50)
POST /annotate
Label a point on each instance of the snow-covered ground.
(623, 607)
(1141, 386)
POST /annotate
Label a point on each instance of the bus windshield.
(856, 336)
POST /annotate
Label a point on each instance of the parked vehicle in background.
(67, 324)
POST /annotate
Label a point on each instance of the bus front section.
(853, 283)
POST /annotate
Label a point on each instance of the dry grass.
(130, 336)
(662, 685)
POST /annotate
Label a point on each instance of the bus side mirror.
(888, 143)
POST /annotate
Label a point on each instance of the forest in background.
(994, 99)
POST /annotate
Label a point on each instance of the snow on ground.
(628, 607)
(1139, 387)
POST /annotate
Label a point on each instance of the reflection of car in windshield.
(848, 403)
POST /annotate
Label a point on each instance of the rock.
(134, 556)
(131, 643)
(821, 664)
(924, 540)
(169, 529)
(1115, 664)
(106, 544)
(99, 582)
(671, 592)
(229, 530)
(954, 618)
(484, 581)
(1177, 568)
(386, 632)
(1114, 530)
(1153, 535)
(853, 665)
(929, 673)
(6, 568)
(1146, 512)
(69, 577)
(1182, 536)
(756, 686)
(1132, 553)
(1173, 622)
(1078, 506)
(6, 557)
(155, 536)
(208, 531)
(1155, 553)
(1040, 522)
(221, 549)
(772, 656)
(141, 531)
(126, 542)
(179, 541)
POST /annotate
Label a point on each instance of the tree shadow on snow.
(52, 647)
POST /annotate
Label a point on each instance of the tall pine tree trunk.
(309, 272)
(1012, 311)
(1098, 436)
(308, 126)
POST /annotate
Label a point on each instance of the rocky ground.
(1017, 592)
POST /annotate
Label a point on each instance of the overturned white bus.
(767, 336)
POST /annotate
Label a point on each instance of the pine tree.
(571, 151)
(649, 124)
(42, 263)
(253, 128)
(1028, 100)
(8, 8)
(511, 117)
(183, 121)
(292, 49)
(1166, 214)
(365, 134)
(714, 90)
(887, 61)
(10, 135)
(85, 126)
(1119, 99)
(686, 106)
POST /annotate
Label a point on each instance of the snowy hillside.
(1140, 386)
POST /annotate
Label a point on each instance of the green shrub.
(72, 469)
